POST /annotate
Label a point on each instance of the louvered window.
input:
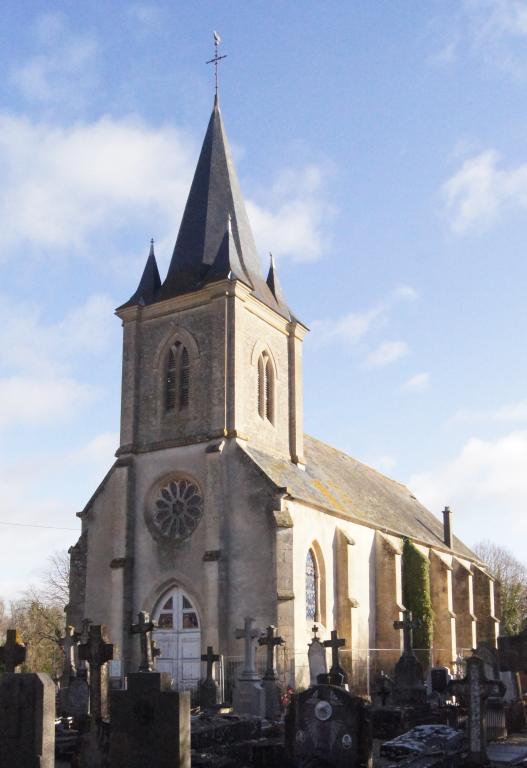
(177, 378)
(265, 387)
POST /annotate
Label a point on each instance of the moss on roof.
(340, 483)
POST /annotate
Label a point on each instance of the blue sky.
(382, 152)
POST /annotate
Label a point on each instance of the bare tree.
(511, 578)
(55, 579)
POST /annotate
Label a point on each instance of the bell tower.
(213, 351)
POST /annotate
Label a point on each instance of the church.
(218, 506)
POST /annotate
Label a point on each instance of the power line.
(31, 525)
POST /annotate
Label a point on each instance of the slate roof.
(214, 196)
(338, 482)
(149, 283)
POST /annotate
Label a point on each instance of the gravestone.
(474, 691)
(249, 694)
(13, 652)
(68, 643)
(144, 629)
(336, 675)
(97, 651)
(209, 693)
(27, 720)
(512, 653)
(150, 724)
(316, 656)
(382, 690)
(326, 725)
(271, 688)
(409, 688)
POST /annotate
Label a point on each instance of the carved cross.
(475, 689)
(335, 643)
(97, 651)
(271, 640)
(13, 653)
(314, 630)
(68, 644)
(407, 625)
(249, 633)
(144, 629)
(210, 657)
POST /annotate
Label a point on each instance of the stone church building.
(218, 506)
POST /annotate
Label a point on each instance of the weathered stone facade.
(266, 494)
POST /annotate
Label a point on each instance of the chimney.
(447, 527)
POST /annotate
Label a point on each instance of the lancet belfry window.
(312, 611)
(177, 378)
(265, 385)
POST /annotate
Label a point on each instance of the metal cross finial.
(215, 60)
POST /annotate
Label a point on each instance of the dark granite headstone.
(326, 725)
(512, 653)
(150, 726)
(409, 688)
(439, 678)
(27, 721)
(209, 694)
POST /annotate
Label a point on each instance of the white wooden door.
(178, 638)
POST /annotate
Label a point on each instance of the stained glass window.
(311, 587)
(177, 510)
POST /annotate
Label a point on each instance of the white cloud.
(405, 292)
(34, 400)
(512, 413)
(418, 382)
(293, 221)
(64, 185)
(349, 329)
(64, 69)
(480, 190)
(486, 485)
(386, 353)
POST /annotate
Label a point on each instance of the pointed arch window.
(265, 387)
(312, 584)
(177, 378)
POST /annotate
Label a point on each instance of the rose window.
(177, 509)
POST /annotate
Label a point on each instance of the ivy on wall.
(416, 596)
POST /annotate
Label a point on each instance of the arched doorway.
(178, 637)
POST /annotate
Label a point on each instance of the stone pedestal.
(249, 698)
(27, 721)
(150, 726)
(272, 699)
(209, 694)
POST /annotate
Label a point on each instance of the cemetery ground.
(413, 716)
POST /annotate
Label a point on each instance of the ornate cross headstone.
(249, 634)
(68, 644)
(336, 676)
(271, 640)
(249, 696)
(407, 625)
(97, 651)
(13, 652)
(272, 690)
(208, 688)
(475, 689)
(144, 629)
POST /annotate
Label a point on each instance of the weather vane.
(217, 41)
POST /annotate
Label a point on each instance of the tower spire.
(216, 58)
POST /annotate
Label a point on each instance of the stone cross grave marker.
(475, 689)
(272, 690)
(249, 634)
(13, 652)
(144, 629)
(68, 643)
(249, 695)
(97, 651)
(407, 625)
(336, 676)
(409, 688)
(316, 656)
(208, 688)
